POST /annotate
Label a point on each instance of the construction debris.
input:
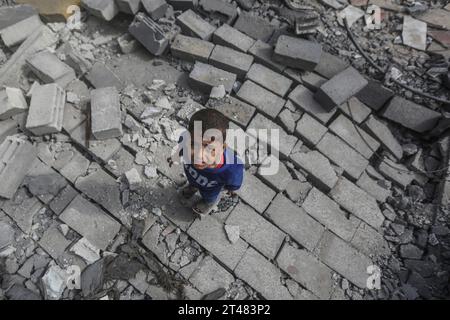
(349, 112)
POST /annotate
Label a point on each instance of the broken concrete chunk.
(54, 282)
(46, 110)
(191, 49)
(149, 34)
(340, 88)
(411, 115)
(204, 77)
(105, 113)
(233, 38)
(133, 178)
(17, 23)
(129, 6)
(193, 25)
(6, 234)
(232, 233)
(297, 53)
(12, 102)
(86, 250)
(50, 69)
(156, 9)
(105, 9)
(414, 33)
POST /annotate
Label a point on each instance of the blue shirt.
(210, 181)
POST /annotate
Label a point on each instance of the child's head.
(208, 130)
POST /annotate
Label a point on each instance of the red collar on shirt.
(220, 164)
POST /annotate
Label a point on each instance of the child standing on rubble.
(210, 166)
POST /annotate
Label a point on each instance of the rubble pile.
(90, 111)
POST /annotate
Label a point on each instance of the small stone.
(232, 233)
(157, 212)
(133, 178)
(410, 149)
(150, 172)
(163, 103)
(218, 92)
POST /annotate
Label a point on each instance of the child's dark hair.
(210, 119)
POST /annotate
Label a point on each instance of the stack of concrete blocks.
(17, 23)
(104, 9)
(16, 157)
(340, 88)
(50, 69)
(105, 113)
(149, 34)
(46, 112)
(156, 9)
(12, 102)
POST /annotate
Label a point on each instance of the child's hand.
(231, 193)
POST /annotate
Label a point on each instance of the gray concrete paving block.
(104, 9)
(231, 60)
(304, 99)
(141, 27)
(374, 95)
(411, 115)
(210, 276)
(91, 222)
(262, 275)
(256, 193)
(295, 221)
(46, 113)
(204, 77)
(256, 230)
(310, 130)
(358, 202)
(269, 79)
(274, 172)
(265, 101)
(343, 155)
(191, 49)
(12, 102)
(16, 157)
(156, 9)
(234, 109)
(53, 242)
(355, 136)
(255, 27)
(303, 267)
(50, 69)
(129, 6)
(195, 26)
(101, 76)
(344, 259)
(297, 53)
(210, 234)
(106, 115)
(228, 36)
(327, 212)
(263, 53)
(340, 88)
(18, 23)
(383, 134)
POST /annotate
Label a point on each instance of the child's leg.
(208, 202)
(188, 191)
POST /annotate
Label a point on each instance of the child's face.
(208, 154)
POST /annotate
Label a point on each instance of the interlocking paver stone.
(358, 202)
(295, 221)
(256, 230)
(231, 60)
(193, 25)
(297, 53)
(228, 36)
(327, 212)
(91, 222)
(191, 49)
(210, 234)
(303, 267)
(106, 115)
(264, 100)
(343, 155)
(204, 77)
(263, 276)
(269, 79)
(256, 193)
